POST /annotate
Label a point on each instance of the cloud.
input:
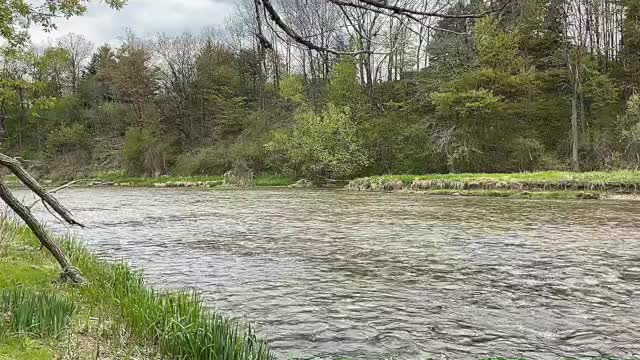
(102, 24)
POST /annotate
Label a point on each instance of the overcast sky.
(145, 17)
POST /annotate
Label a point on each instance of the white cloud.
(102, 24)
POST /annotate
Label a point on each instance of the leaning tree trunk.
(69, 273)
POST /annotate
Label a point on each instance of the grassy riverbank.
(120, 179)
(547, 184)
(114, 317)
(534, 185)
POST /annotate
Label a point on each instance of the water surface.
(374, 276)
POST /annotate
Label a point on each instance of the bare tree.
(177, 56)
(410, 11)
(79, 50)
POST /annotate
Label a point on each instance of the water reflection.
(364, 275)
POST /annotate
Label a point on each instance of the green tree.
(344, 89)
(631, 46)
(320, 146)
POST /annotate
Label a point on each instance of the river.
(327, 274)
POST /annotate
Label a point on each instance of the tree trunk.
(574, 128)
(69, 273)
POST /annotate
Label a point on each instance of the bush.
(68, 138)
(526, 154)
(114, 118)
(325, 145)
(144, 154)
(214, 160)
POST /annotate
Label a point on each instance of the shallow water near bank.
(378, 275)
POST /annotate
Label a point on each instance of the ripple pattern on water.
(371, 275)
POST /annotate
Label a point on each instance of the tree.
(79, 50)
(344, 89)
(631, 47)
(133, 76)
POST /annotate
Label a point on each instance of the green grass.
(622, 176)
(577, 185)
(24, 348)
(121, 179)
(35, 313)
(116, 310)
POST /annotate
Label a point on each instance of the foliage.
(325, 145)
(497, 48)
(344, 89)
(68, 138)
(143, 153)
(17, 15)
(292, 88)
(214, 160)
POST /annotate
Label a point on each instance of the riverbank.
(547, 184)
(118, 179)
(114, 317)
(535, 185)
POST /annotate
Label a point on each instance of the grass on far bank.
(115, 316)
(594, 177)
(120, 178)
(546, 184)
(213, 181)
(591, 195)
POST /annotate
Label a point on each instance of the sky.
(102, 24)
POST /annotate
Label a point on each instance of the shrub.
(526, 154)
(144, 154)
(214, 160)
(325, 145)
(68, 138)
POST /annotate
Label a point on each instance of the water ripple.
(332, 273)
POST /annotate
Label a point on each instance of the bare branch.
(60, 188)
(395, 15)
(403, 10)
(275, 17)
(16, 168)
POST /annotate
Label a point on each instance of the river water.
(376, 275)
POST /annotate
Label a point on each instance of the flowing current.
(332, 274)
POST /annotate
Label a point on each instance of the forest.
(538, 85)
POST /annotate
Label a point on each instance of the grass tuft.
(39, 314)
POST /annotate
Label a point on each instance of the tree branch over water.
(69, 272)
(375, 6)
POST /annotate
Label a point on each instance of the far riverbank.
(621, 184)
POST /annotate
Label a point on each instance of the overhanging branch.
(375, 6)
